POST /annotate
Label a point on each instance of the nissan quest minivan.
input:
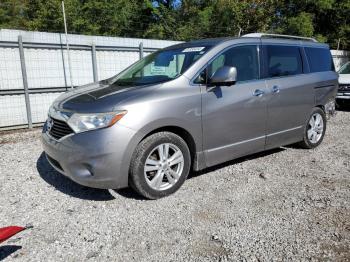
(191, 106)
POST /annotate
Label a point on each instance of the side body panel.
(290, 107)
(324, 83)
(326, 86)
(234, 121)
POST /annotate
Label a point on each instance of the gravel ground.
(285, 204)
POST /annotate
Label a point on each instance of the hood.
(344, 78)
(97, 97)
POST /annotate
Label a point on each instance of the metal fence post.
(141, 50)
(25, 81)
(94, 62)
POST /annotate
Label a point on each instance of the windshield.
(161, 66)
(345, 69)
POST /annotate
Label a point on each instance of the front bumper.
(98, 158)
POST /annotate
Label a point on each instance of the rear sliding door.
(290, 95)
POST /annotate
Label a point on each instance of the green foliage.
(113, 17)
(301, 24)
(12, 13)
(326, 20)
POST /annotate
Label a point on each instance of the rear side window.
(320, 59)
(283, 60)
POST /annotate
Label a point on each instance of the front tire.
(315, 129)
(160, 165)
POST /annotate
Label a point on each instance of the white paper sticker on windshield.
(193, 49)
(157, 70)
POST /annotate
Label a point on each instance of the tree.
(302, 25)
(327, 20)
(113, 17)
(46, 15)
(159, 19)
(13, 14)
(194, 19)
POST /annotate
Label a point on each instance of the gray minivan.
(191, 106)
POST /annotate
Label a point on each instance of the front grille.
(343, 87)
(60, 129)
(54, 162)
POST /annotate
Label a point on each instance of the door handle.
(275, 89)
(258, 92)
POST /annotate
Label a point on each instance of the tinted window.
(319, 59)
(283, 61)
(244, 58)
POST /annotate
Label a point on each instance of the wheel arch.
(321, 107)
(181, 132)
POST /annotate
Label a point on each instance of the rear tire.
(160, 165)
(315, 129)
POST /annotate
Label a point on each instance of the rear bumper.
(98, 158)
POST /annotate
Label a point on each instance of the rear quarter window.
(283, 60)
(320, 59)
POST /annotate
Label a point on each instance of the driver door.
(234, 117)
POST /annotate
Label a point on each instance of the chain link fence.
(34, 69)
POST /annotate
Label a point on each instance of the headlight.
(84, 122)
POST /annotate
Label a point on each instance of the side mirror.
(224, 76)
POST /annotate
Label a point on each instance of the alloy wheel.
(315, 128)
(163, 166)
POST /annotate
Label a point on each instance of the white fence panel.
(81, 67)
(40, 104)
(44, 68)
(12, 110)
(111, 63)
(10, 69)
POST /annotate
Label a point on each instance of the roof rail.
(266, 35)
